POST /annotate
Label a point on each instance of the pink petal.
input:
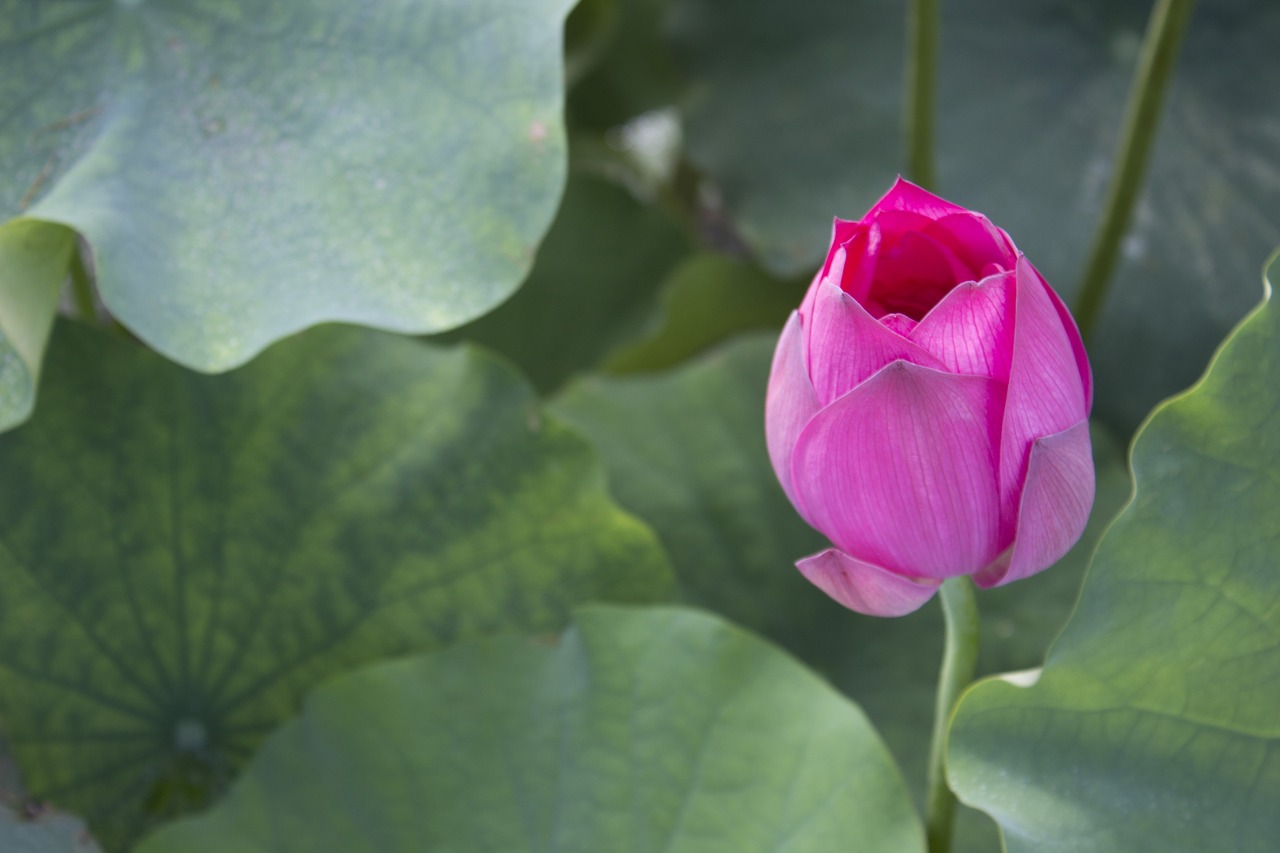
(1055, 505)
(789, 404)
(847, 345)
(842, 231)
(974, 240)
(901, 471)
(846, 236)
(806, 308)
(1046, 392)
(864, 587)
(971, 329)
(854, 267)
(1077, 345)
(904, 195)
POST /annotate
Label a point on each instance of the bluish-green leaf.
(643, 730)
(183, 556)
(1154, 723)
(245, 169)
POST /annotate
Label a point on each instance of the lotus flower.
(928, 408)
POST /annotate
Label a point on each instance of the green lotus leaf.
(182, 556)
(242, 170)
(1153, 724)
(643, 730)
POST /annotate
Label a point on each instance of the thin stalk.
(1160, 48)
(922, 68)
(959, 661)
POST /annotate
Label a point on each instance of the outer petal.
(1046, 392)
(1077, 345)
(806, 307)
(789, 404)
(865, 587)
(901, 471)
(904, 195)
(971, 329)
(1055, 505)
(846, 345)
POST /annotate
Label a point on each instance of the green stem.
(922, 61)
(82, 289)
(1159, 56)
(959, 661)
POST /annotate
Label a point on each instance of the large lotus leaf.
(796, 111)
(594, 284)
(34, 260)
(244, 169)
(686, 452)
(643, 730)
(1153, 724)
(183, 556)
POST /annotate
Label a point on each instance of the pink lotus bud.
(928, 408)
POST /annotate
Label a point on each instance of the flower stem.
(1159, 56)
(959, 660)
(922, 61)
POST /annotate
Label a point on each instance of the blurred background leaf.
(793, 113)
(183, 556)
(707, 299)
(593, 286)
(643, 730)
(633, 72)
